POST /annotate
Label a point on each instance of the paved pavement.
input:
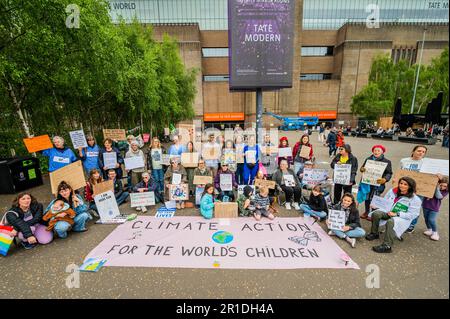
(417, 268)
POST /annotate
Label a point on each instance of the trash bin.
(18, 174)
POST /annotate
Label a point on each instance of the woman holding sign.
(89, 155)
(155, 163)
(368, 188)
(225, 182)
(110, 158)
(190, 170)
(67, 194)
(303, 151)
(251, 160)
(284, 143)
(405, 206)
(135, 172)
(175, 175)
(288, 181)
(345, 167)
(59, 156)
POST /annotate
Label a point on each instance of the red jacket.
(88, 193)
(297, 149)
(340, 140)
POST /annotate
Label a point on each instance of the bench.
(418, 140)
(385, 137)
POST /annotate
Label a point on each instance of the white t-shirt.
(411, 165)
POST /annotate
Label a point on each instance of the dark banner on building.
(261, 36)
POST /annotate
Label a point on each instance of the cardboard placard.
(115, 134)
(304, 151)
(202, 180)
(240, 153)
(73, 174)
(374, 171)
(38, 143)
(425, 183)
(189, 159)
(78, 139)
(179, 192)
(211, 152)
(103, 187)
(142, 199)
(226, 210)
(264, 183)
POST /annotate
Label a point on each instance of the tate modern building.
(335, 42)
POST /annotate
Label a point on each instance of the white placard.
(250, 156)
(107, 206)
(285, 151)
(176, 179)
(336, 219)
(374, 171)
(198, 194)
(134, 162)
(314, 176)
(226, 182)
(381, 203)
(78, 139)
(289, 180)
(110, 160)
(165, 159)
(435, 166)
(142, 199)
(163, 212)
(171, 204)
(342, 174)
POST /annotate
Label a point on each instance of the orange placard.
(38, 143)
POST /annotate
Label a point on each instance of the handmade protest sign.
(165, 159)
(210, 152)
(251, 156)
(202, 180)
(381, 203)
(314, 176)
(226, 210)
(166, 131)
(142, 199)
(374, 171)
(226, 182)
(38, 143)
(289, 180)
(176, 179)
(114, 134)
(146, 137)
(198, 194)
(229, 157)
(103, 187)
(134, 162)
(242, 243)
(240, 153)
(179, 192)
(110, 160)
(342, 174)
(265, 183)
(336, 219)
(305, 151)
(425, 183)
(107, 206)
(434, 166)
(72, 174)
(189, 159)
(164, 212)
(285, 151)
(78, 139)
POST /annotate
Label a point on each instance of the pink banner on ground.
(239, 243)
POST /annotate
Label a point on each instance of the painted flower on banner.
(222, 237)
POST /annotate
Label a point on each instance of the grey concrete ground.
(417, 268)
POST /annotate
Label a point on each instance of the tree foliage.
(388, 81)
(54, 79)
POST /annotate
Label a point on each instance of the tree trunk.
(17, 102)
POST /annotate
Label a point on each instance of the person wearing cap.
(135, 173)
(89, 155)
(224, 170)
(284, 143)
(345, 156)
(378, 152)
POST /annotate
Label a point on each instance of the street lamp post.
(418, 72)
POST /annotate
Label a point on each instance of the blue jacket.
(207, 206)
(332, 138)
(173, 151)
(58, 158)
(90, 157)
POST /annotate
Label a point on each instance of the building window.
(216, 78)
(315, 76)
(404, 53)
(317, 51)
(215, 52)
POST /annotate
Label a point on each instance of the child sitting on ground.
(431, 207)
(207, 202)
(316, 206)
(60, 211)
(262, 204)
(245, 203)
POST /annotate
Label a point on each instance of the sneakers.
(410, 230)
(372, 236)
(296, 206)
(383, 248)
(331, 233)
(144, 209)
(288, 206)
(428, 232)
(27, 245)
(351, 241)
(138, 209)
(434, 236)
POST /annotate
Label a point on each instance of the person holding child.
(59, 212)
(352, 228)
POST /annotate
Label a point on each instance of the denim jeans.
(307, 211)
(332, 149)
(62, 227)
(158, 177)
(353, 233)
(122, 198)
(430, 219)
(415, 220)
